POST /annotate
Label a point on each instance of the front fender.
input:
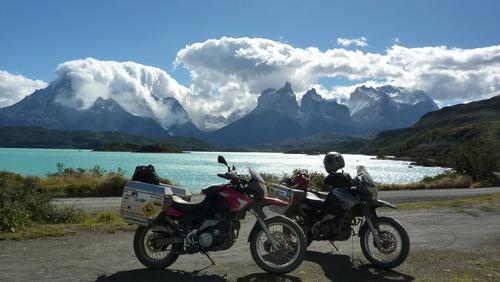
(256, 226)
(381, 203)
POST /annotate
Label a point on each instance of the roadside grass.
(104, 221)
(27, 210)
(447, 180)
(76, 182)
(485, 203)
(483, 265)
(85, 185)
(442, 181)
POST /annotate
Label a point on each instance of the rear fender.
(173, 212)
(267, 201)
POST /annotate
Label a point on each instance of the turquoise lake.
(196, 170)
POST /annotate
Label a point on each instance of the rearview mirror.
(221, 160)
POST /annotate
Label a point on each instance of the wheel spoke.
(152, 248)
(287, 245)
(390, 243)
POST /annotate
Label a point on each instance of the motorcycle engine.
(216, 234)
(207, 239)
(337, 229)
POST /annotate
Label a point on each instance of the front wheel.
(290, 246)
(152, 249)
(394, 246)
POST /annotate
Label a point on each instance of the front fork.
(260, 216)
(370, 217)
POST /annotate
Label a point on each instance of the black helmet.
(333, 161)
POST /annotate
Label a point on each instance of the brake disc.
(388, 242)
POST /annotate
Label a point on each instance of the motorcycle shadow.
(164, 275)
(139, 275)
(338, 267)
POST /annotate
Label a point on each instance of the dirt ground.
(446, 245)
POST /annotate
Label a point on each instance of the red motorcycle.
(277, 244)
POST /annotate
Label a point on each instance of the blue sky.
(36, 36)
(218, 56)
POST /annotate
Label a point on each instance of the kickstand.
(354, 261)
(208, 256)
(331, 242)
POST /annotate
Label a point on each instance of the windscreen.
(364, 176)
(255, 175)
(259, 181)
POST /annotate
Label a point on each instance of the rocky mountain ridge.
(278, 115)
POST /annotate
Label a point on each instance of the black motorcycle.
(333, 216)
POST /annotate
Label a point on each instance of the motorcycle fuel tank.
(341, 197)
(237, 201)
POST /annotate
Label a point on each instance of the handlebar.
(230, 175)
(223, 175)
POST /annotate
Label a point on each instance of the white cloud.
(341, 93)
(345, 42)
(229, 73)
(137, 88)
(15, 87)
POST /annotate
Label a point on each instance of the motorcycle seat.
(314, 197)
(188, 207)
(321, 194)
(313, 200)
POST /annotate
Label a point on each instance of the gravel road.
(94, 205)
(110, 257)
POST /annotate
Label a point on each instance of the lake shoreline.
(197, 170)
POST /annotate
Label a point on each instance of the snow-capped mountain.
(278, 116)
(105, 96)
(388, 107)
(132, 98)
(274, 118)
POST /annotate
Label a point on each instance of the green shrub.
(477, 160)
(12, 215)
(316, 178)
(94, 182)
(79, 182)
(108, 217)
(442, 181)
(270, 178)
(22, 203)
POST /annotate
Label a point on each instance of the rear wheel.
(290, 246)
(394, 246)
(152, 249)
